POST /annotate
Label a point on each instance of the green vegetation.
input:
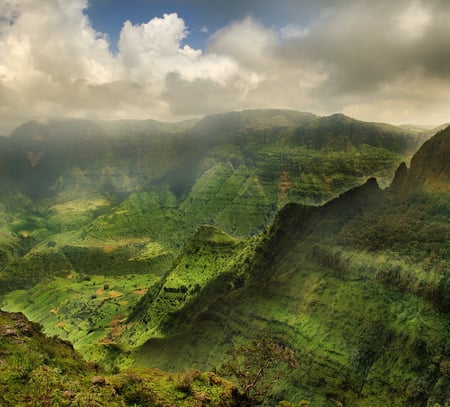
(89, 311)
(37, 370)
(358, 289)
(120, 198)
(147, 245)
(254, 367)
(68, 186)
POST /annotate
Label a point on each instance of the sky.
(171, 60)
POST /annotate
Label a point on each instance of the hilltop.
(430, 167)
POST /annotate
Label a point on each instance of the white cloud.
(248, 41)
(148, 52)
(45, 47)
(349, 58)
(414, 20)
(293, 31)
(54, 63)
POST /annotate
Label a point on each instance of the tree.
(257, 366)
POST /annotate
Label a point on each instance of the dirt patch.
(284, 186)
(115, 294)
(110, 248)
(142, 291)
(106, 340)
(34, 157)
(117, 330)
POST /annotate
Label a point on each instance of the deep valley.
(320, 244)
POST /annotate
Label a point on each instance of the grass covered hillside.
(75, 190)
(36, 370)
(430, 168)
(358, 289)
(147, 244)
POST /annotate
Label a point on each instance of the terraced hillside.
(358, 288)
(113, 239)
(128, 189)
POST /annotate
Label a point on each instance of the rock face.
(430, 167)
(400, 176)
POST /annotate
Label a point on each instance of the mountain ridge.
(429, 169)
(358, 316)
(273, 233)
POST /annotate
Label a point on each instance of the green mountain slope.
(41, 371)
(358, 288)
(210, 255)
(90, 182)
(430, 167)
(99, 212)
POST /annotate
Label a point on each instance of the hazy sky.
(378, 60)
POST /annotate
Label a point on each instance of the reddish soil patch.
(142, 291)
(115, 294)
(117, 330)
(109, 248)
(34, 158)
(284, 186)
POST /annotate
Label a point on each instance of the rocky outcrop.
(430, 167)
(399, 177)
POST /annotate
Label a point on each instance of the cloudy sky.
(174, 59)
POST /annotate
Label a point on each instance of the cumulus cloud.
(375, 60)
(55, 64)
(248, 41)
(293, 31)
(45, 48)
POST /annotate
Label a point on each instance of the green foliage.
(81, 310)
(415, 230)
(358, 288)
(36, 370)
(255, 367)
(361, 321)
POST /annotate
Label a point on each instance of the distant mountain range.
(74, 188)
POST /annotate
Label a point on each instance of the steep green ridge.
(81, 183)
(358, 288)
(39, 370)
(90, 205)
(208, 256)
(430, 167)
